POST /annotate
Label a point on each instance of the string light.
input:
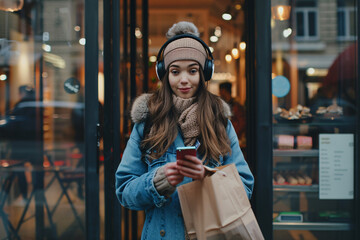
(235, 53)
(242, 46)
(228, 58)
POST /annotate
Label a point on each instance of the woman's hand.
(191, 167)
(172, 174)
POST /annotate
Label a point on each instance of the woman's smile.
(185, 90)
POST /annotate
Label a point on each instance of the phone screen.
(182, 151)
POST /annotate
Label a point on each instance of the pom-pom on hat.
(184, 48)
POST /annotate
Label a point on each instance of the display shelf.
(313, 124)
(289, 162)
(295, 153)
(296, 188)
(312, 226)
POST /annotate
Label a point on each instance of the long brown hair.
(163, 118)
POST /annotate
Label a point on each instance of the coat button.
(162, 233)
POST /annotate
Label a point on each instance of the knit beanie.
(184, 48)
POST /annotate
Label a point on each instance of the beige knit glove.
(161, 183)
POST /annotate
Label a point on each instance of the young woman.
(182, 112)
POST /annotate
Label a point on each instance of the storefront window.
(42, 120)
(346, 28)
(314, 70)
(306, 24)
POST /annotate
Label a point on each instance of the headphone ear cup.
(160, 70)
(208, 69)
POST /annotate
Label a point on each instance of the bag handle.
(210, 171)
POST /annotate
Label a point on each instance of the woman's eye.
(174, 71)
(194, 70)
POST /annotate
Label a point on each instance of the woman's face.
(184, 78)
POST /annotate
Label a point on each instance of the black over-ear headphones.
(208, 66)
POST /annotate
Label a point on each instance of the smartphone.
(182, 151)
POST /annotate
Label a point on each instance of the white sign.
(336, 166)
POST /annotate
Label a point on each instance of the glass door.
(48, 138)
(315, 112)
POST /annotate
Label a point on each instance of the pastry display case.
(315, 114)
(299, 178)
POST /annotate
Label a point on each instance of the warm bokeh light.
(152, 58)
(228, 58)
(235, 53)
(101, 86)
(287, 32)
(214, 39)
(281, 12)
(217, 31)
(226, 16)
(242, 46)
(3, 77)
(46, 47)
(82, 41)
(138, 33)
(11, 5)
(310, 71)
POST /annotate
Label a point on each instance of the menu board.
(336, 166)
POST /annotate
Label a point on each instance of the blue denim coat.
(135, 188)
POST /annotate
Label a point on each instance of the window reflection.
(318, 60)
(41, 119)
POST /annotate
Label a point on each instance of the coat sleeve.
(237, 158)
(134, 182)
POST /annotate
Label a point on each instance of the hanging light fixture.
(11, 5)
(217, 31)
(228, 58)
(280, 12)
(235, 52)
(227, 15)
(214, 39)
(242, 46)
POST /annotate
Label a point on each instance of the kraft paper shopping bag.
(217, 207)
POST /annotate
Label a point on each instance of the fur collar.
(139, 110)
